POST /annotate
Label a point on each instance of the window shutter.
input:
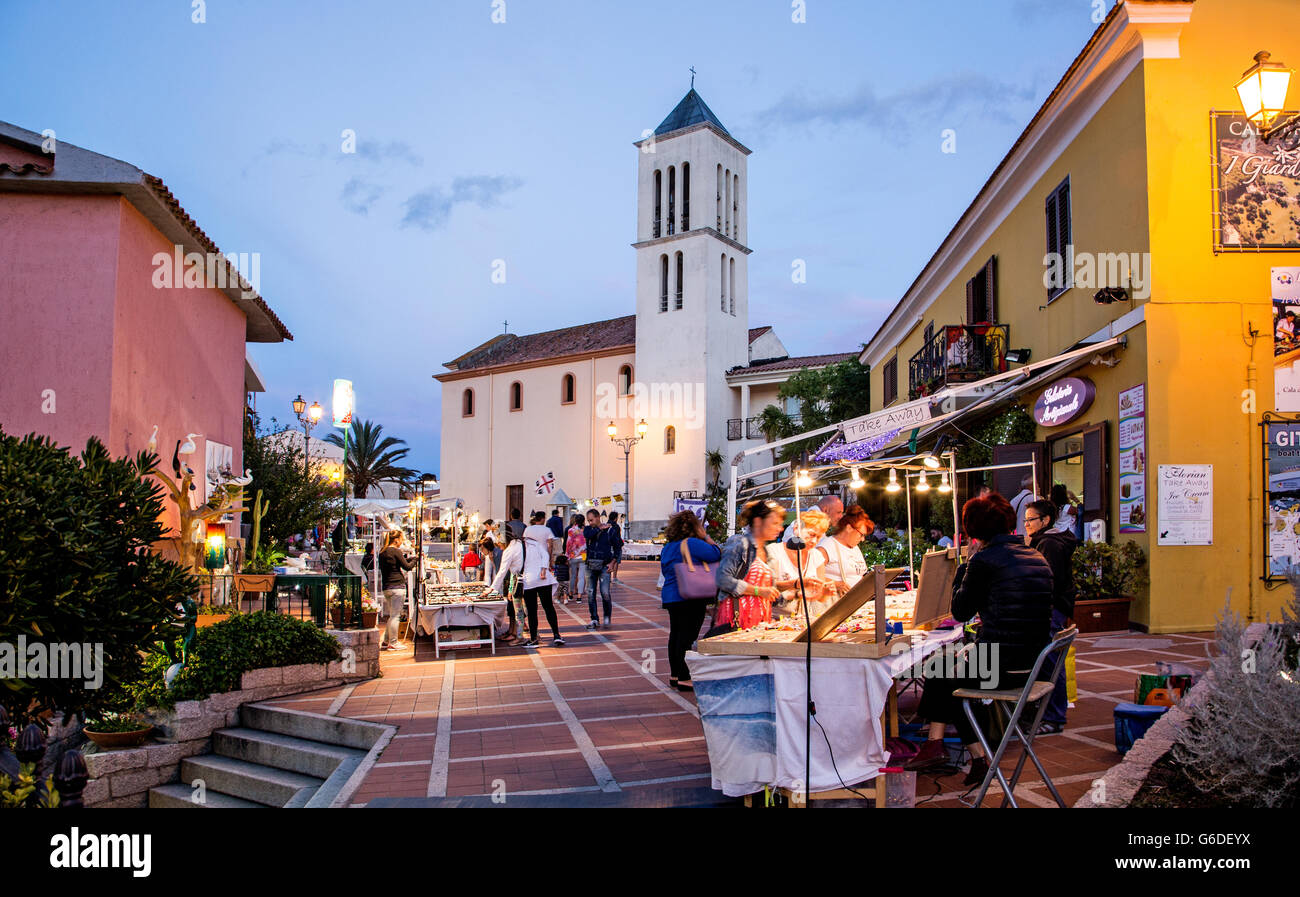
(1053, 242)
(970, 301)
(991, 288)
(1095, 481)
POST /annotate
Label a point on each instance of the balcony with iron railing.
(958, 354)
(753, 427)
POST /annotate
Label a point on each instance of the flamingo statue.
(189, 447)
(152, 448)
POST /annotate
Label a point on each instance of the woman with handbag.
(744, 580)
(688, 561)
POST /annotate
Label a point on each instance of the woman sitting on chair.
(1010, 586)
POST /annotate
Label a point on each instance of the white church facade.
(687, 362)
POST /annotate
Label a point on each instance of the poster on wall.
(1283, 495)
(1133, 460)
(1284, 287)
(1185, 509)
(1256, 187)
(696, 506)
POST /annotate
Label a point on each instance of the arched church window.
(672, 200)
(731, 282)
(625, 380)
(686, 196)
(678, 295)
(670, 440)
(663, 282)
(722, 278)
(516, 396)
(659, 190)
(467, 403)
(568, 390)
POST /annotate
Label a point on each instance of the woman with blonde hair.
(786, 563)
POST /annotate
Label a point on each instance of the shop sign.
(1064, 401)
(1185, 509)
(1254, 186)
(1132, 460)
(902, 417)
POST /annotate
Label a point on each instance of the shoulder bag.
(694, 581)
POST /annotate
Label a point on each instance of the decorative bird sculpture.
(152, 448)
(189, 446)
(176, 459)
(244, 480)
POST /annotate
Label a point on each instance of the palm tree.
(372, 456)
(775, 424)
(713, 461)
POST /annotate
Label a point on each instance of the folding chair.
(1034, 690)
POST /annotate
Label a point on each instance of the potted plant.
(369, 612)
(212, 614)
(117, 730)
(258, 571)
(1105, 578)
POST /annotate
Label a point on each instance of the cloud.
(942, 100)
(359, 195)
(394, 150)
(430, 208)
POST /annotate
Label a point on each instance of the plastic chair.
(1034, 690)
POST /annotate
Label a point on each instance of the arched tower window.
(726, 202)
(663, 283)
(719, 224)
(516, 396)
(686, 196)
(658, 203)
(568, 390)
(731, 282)
(722, 279)
(735, 206)
(672, 200)
(670, 440)
(467, 403)
(677, 304)
(625, 380)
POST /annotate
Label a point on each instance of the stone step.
(301, 755)
(250, 781)
(312, 726)
(178, 796)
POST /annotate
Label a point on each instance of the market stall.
(752, 686)
(459, 605)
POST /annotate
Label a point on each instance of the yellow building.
(1118, 171)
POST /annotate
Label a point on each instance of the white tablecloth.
(480, 613)
(754, 709)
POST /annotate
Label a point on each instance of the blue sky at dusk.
(479, 141)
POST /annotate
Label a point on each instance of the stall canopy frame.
(1013, 380)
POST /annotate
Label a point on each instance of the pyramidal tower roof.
(692, 110)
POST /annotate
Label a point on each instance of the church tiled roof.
(616, 333)
(692, 110)
(794, 363)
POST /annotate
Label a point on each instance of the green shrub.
(76, 567)
(1103, 570)
(893, 551)
(225, 651)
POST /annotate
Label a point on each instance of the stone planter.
(369, 619)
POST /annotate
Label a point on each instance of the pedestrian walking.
(600, 554)
(685, 536)
(575, 548)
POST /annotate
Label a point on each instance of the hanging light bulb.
(932, 461)
(803, 479)
(857, 482)
(944, 485)
(892, 485)
(923, 484)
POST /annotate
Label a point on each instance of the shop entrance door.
(514, 500)
(1007, 482)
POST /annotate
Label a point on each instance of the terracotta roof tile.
(594, 337)
(794, 363)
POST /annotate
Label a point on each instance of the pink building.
(119, 314)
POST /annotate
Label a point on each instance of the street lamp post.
(419, 537)
(627, 442)
(308, 420)
(1262, 91)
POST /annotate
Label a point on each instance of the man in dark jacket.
(1057, 548)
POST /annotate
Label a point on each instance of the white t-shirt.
(537, 556)
(842, 563)
(783, 568)
(1019, 504)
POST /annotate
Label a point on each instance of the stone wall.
(122, 778)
